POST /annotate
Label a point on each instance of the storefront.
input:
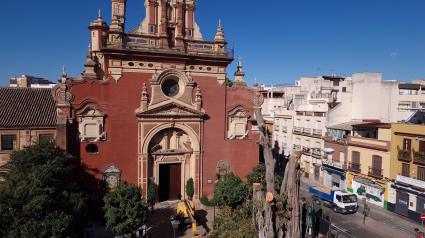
(373, 190)
(334, 174)
(407, 197)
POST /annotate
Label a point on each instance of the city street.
(379, 223)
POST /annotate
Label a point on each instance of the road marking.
(404, 229)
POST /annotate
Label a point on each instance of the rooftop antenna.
(318, 69)
(393, 55)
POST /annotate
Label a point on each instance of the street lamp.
(215, 189)
(328, 151)
(175, 224)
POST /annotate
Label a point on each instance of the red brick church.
(153, 104)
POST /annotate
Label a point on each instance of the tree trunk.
(267, 223)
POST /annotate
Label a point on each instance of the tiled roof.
(27, 107)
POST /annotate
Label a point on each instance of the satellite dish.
(328, 150)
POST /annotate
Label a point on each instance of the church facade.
(153, 105)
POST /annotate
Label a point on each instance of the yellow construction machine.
(186, 215)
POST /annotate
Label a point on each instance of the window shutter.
(356, 157)
(406, 170)
(377, 162)
(422, 146)
(407, 144)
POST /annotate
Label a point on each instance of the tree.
(125, 209)
(229, 83)
(36, 197)
(190, 188)
(232, 191)
(258, 175)
(278, 214)
(151, 196)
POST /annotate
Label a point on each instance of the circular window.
(192, 67)
(209, 68)
(200, 68)
(150, 65)
(92, 149)
(170, 88)
(130, 64)
(141, 64)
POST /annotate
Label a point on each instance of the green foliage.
(204, 200)
(229, 83)
(232, 191)
(190, 188)
(234, 223)
(36, 196)
(151, 196)
(125, 209)
(258, 175)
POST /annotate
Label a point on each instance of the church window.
(238, 124)
(190, 32)
(91, 125)
(152, 28)
(170, 88)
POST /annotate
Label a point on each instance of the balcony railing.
(418, 156)
(354, 167)
(317, 132)
(284, 128)
(316, 152)
(405, 155)
(300, 113)
(306, 150)
(375, 172)
(297, 147)
(276, 127)
(319, 114)
(306, 130)
(298, 129)
(309, 113)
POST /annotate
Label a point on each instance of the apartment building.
(407, 191)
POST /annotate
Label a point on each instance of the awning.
(346, 126)
(407, 190)
(334, 171)
(409, 86)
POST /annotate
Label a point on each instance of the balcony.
(297, 130)
(297, 147)
(369, 143)
(317, 132)
(306, 150)
(284, 129)
(418, 157)
(375, 172)
(404, 155)
(306, 131)
(316, 153)
(354, 167)
(276, 127)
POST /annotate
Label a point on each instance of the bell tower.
(118, 10)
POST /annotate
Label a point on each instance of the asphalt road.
(352, 223)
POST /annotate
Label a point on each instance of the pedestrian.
(421, 235)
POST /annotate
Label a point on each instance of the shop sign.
(414, 182)
(331, 163)
(373, 192)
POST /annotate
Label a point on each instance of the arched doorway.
(169, 161)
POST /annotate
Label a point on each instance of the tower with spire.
(239, 75)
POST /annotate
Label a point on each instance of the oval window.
(170, 88)
(92, 149)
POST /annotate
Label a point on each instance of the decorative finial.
(89, 47)
(64, 75)
(219, 22)
(219, 36)
(240, 59)
(255, 83)
(255, 79)
(99, 14)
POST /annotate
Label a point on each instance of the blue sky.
(278, 40)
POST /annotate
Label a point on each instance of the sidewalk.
(379, 220)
